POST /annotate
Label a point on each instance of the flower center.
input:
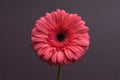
(60, 37)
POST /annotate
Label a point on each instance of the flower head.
(60, 38)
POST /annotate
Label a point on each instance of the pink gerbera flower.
(60, 38)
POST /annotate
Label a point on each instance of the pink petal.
(38, 39)
(60, 57)
(67, 54)
(84, 42)
(76, 51)
(54, 58)
(41, 27)
(48, 53)
(70, 55)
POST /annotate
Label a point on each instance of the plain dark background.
(19, 62)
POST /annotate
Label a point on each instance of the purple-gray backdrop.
(19, 62)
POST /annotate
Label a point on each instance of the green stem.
(59, 73)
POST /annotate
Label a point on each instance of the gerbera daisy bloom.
(60, 38)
